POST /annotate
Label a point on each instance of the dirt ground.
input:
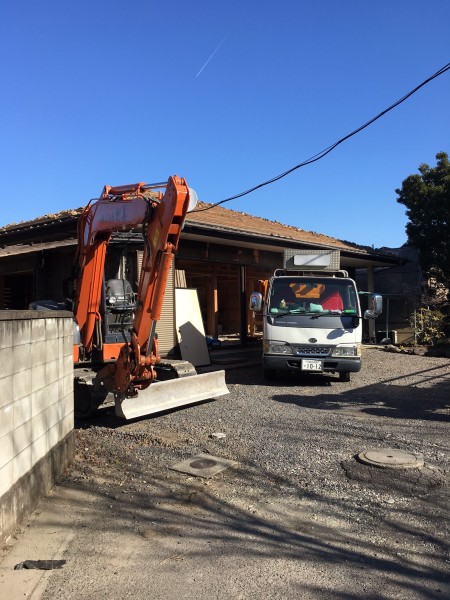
(297, 517)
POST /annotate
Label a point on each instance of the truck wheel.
(269, 374)
(344, 377)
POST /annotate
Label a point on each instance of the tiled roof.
(44, 220)
(220, 219)
(224, 219)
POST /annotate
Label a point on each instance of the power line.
(326, 151)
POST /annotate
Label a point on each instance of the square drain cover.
(203, 465)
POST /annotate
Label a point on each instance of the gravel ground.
(298, 517)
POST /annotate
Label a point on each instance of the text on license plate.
(311, 365)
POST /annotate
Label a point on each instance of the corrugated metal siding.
(165, 328)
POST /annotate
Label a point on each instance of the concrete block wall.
(36, 408)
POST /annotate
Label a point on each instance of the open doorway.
(16, 291)
(223, 300)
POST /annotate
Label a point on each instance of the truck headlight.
(272, 347)
(347, 350)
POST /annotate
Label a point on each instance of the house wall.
(52, 274)
(402, 289)
(36, 409)
(16, 281)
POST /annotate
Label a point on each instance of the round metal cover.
(203, 463)
(391, 458)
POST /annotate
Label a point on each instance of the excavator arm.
(122, 209)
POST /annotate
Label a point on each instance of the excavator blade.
(173, 393)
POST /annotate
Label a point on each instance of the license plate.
(311, 365)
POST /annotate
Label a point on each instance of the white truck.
(312, 318)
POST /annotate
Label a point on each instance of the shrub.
(430, 325)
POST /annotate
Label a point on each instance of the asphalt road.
(297, 517)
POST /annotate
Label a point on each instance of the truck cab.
(312, 321)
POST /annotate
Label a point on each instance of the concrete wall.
(36, 409)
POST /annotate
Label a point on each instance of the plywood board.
(190, 328)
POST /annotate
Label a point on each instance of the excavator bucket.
(164, 395)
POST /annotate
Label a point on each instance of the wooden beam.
(212, 305)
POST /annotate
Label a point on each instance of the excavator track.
(88, 399)
(174, 369)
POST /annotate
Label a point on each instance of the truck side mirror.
(375, 307)
(255, 301)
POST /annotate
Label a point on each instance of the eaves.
(355, 257)
(16, 249)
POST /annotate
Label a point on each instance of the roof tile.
(219, 218)
(227, 219)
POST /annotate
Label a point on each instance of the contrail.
(210, 57)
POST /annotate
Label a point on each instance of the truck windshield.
(313, 296)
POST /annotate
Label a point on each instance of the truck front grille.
(312, 350)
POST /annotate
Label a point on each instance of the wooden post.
(212, 305)
(243, 305)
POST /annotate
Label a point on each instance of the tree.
(427, 198)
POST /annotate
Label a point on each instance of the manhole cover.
(390, 458)
(203, 465)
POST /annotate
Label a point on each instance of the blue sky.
(227, 95)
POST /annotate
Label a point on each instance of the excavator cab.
(119, 296)
(118, 308)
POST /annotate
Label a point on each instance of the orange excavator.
(115, 326)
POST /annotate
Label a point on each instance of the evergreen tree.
(427, 199)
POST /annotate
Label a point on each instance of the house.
(222, 253)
